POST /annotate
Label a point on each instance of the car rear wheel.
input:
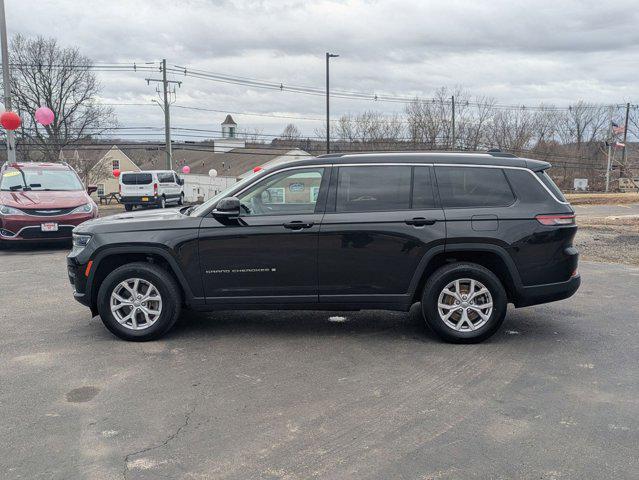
(139, 301)
(128, 208)
(464, 303)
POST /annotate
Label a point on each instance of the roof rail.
(496, 152)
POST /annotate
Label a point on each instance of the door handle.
(420, 221)
(298, 225)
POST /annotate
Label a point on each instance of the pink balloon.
(44, 116)
(186, 169)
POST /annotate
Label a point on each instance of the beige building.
(102, 162)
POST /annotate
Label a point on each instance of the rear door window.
(373, 188)
(136, 178)
(463, 187)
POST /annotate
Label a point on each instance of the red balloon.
(116, 172)
(10, 120)
(257, 169)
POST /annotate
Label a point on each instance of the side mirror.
(92, 189)
(228, 207)
(181, 181)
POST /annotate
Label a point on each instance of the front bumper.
(551, 292)
(17, 228)
(78, 279)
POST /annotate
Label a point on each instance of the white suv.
(151, 187)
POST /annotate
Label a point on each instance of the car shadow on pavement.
(519, 326)
(15, 248)
(301, 323)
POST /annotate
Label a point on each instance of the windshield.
(14, 179)
(224, 193)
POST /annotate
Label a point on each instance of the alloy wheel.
(465, 305)
(136, 303)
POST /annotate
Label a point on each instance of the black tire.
(162, 202)
(169, 292)
(456, 271)
(128, 207)
(181, 200)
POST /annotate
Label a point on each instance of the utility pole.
(328, 115)
(609, 148)
(167, 114)
(625, 136)
(452, 99)
(6, 77)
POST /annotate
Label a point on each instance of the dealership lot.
(555, 394)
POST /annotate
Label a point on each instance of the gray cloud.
(517, 51)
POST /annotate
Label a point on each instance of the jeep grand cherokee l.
(464, 234)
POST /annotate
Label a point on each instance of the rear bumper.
(150, 200)
(551, 292)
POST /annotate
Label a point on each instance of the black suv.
(464, 234)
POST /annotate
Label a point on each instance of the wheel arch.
(493, 257)
(108, 260)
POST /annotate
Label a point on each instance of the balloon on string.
(44, 116)
(212, 173)
(116, 172)
(186, 169)
(10, 120)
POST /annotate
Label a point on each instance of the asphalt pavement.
(607, 210)
(298, 395)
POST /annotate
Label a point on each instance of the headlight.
(80, 240)
(4, 210)
(86, 208)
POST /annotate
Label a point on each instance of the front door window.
(285, 193)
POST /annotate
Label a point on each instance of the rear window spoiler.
(537, 165)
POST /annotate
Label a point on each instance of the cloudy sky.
(519, 52)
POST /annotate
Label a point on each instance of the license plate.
(49, 227)
(145, 199)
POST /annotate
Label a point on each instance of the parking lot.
(288, 395)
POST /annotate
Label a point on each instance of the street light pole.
(6, 77)
(328, 116)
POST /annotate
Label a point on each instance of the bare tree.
(254, 135)
(291, 133)
(45, 74)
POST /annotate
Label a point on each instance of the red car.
(42, 201)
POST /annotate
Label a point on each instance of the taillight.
(155, 189)
(552, 220)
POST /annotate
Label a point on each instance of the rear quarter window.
(136, 178)
(526, 187)
(546, 180)
(464, 187)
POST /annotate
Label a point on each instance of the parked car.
(151, 187)
(42, 201)
(464, 234)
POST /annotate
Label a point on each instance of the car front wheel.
(464, 303)
(139, 301)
